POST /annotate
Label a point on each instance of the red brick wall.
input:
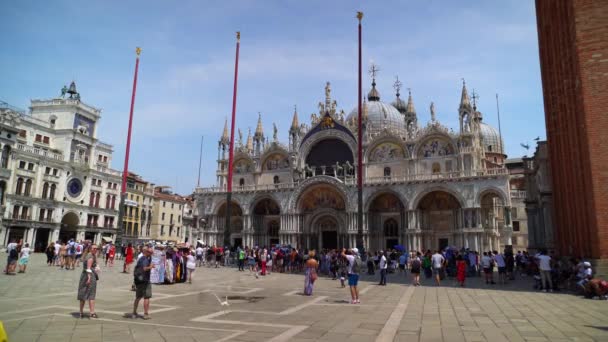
(573, 46)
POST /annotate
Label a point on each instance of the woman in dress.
(190, 265)
(461, 269)
(50, 254)
(128, 258)
(311, 273)
(87, 287)
(111, 254)
(263, 260)
(415, 266)
(24, 257)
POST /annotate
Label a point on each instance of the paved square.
(40, 306)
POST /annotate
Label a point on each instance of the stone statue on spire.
(433, 118)
(275, 132)
(327, 95)
(240, 137)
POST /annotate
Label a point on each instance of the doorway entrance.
(443, 243)
(42, 239)
(329, 239)
(391, 243)
(238, 242)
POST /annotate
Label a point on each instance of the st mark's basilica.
(425, 185)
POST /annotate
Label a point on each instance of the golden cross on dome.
(373, 70)
(397, 85)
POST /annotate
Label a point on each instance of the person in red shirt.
(128, 258)
(111, 254)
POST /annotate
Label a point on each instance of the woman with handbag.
(87, 287)
(311, 273)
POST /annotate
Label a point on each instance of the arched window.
(97, 200)
(391, 227)
(113, 202)
(19, 187)
(275, 180)
(178, 231)
(387, 172)
(28, 187)
(92, 199)
(436, 168)
(108, 201)
(52, 194)
(136, 229)
(170, 230)
(6, 152)
(242, 182)
(45, 190)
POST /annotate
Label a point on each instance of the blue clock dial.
(74, 187)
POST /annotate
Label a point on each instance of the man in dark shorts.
(143, 288)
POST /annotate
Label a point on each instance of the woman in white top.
(24, 258)
(190, 265)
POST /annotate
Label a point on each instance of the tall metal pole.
(200, 161)
(360, 151)
(502, 148)
(125, 172)
(231, 152)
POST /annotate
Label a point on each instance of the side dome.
(380, 115)
(490, 139)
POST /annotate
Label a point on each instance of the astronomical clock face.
(74, 187)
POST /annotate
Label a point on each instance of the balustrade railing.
(39, 151)
(369, 180)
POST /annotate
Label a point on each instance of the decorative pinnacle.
(138, 51)
(373, 70)
(397, 85)
(238, 35)
(474, 96)
(360, 16)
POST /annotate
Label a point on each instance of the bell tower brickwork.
(573, 46)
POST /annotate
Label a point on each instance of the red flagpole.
(231, 152)
(360, 150)
(125, 172)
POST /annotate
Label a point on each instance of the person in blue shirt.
(403, 258)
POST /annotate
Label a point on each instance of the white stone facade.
(424, 187)
(61, 184)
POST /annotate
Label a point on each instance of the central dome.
(380, 115)
(490, 139)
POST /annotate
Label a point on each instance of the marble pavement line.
(392, 325)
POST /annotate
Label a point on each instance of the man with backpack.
(355, 264)
(141, 277)
(71, 255)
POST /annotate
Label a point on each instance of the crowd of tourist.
(549, 272)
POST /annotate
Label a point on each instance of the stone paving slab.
(41, 305)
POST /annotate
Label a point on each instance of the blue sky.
(289, 49)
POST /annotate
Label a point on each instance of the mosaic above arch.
(387, 151)
(243, 166)
(276, 161)
(436, 147)
(321, 196)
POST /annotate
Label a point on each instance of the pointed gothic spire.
(410, 103)
(464, 98)
(225, 137)
(294, 122)
(259, 130)
(249, 141)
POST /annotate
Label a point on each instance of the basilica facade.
(425, 186)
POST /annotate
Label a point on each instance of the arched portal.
(386, 221)
(325, 154)
(323, 209)
(266, 218)
(69, 225)
(439, 219)
(236, 217)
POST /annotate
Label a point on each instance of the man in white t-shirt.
(544, 264)
(437, 260)
(383, 265)
(353, 272)
(200, 252)
(502, 267)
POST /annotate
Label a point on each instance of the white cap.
(355, 250)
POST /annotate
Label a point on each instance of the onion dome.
(490, 138)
